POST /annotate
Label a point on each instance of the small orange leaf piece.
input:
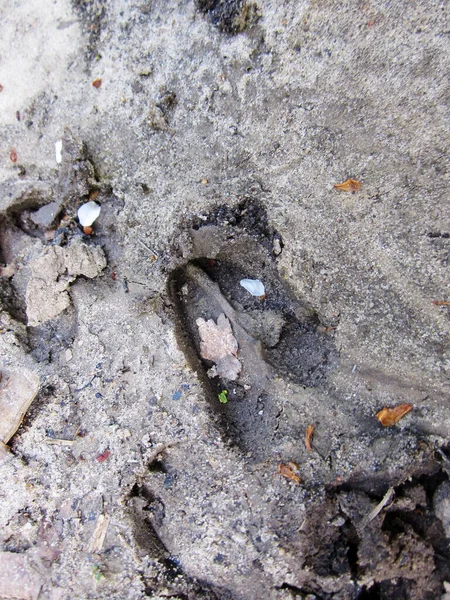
(441, 303)
(308, 437)
(391, 416)
(13, 155)
(290, 471)
(97, 83)
(351, 185)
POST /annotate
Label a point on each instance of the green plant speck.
(223, 396)
(96, 573)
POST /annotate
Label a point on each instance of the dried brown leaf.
(219, 345)
(290, 471)
(308, 437)
(391, 416)
(351, 185)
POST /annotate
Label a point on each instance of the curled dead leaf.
(308, 437)
(290, 471)
(391, 416)
(97, 83)
(351, 185)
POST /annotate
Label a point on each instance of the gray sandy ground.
(241, 117)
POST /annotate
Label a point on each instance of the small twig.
(61, 442)
(159, 449)
(138, 283)
(147, 248)
(379, 507)
(98, 537)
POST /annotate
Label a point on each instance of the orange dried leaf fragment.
(441, 302)
(290, 471)
(391, 416)
(97, 83)
(351, 185)
(308, 437)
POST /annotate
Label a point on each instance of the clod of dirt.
(398, 553)
(230, 16)
(16, 394)
(441, 502)
(53, 272)
(156, 118)
(76, 177)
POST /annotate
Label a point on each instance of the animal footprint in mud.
(239, 340)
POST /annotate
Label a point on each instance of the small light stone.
(276, 248)
(88, 213)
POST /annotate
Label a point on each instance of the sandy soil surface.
(153, 413)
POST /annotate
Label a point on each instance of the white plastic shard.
(254, 286)
(58, 151)
(88, 213)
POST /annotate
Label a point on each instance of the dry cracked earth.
(212, 134)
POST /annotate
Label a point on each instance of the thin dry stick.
(379, 507)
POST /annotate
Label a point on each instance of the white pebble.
(58, 151)
(88, 213)
(254, 286)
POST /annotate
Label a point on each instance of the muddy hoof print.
(242, 344)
